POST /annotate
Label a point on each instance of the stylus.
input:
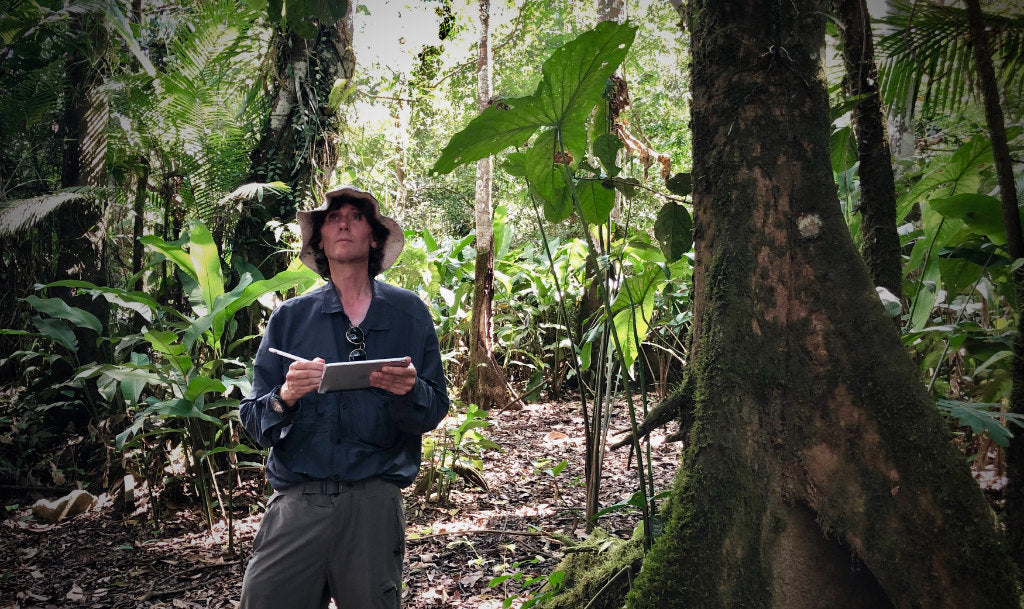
(288, 355)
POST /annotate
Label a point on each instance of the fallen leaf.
(469, 579)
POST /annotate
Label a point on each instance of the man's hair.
(380, 235)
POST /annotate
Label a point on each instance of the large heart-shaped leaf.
(949, 175)
(606, 147)
(572, 81)
(983, 214)
(596, 200)
(674, 229)
(547, 178)
(507, 123)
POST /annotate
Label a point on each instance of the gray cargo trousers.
(326, 539)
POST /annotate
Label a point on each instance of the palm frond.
(201, 111)
(30, 98)
(19, 214)
(253, 191)
(928, 49)
(118, 23)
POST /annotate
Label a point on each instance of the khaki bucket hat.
(392, 247)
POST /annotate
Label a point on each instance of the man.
(335, 526)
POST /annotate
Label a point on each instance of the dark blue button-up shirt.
(346, 435)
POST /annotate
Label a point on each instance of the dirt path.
(98, 559)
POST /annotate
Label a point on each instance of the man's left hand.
(396, 379)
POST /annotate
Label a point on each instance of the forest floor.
(102, 558)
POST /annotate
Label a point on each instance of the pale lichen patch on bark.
(809, 226)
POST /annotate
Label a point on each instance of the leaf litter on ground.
(473, 553)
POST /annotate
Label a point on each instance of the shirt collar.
(375, 316)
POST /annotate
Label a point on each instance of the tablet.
(340, 376)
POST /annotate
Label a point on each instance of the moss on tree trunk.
(817, 472)
(296, 146)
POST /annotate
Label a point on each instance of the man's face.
(346, 236)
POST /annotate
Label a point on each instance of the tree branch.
(678, 405)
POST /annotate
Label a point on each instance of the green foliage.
(958, 287)
(571, 85)
(596, 573)
(301, 16)
(982, 418)
(544, 466)
(557, 170)
(452, 450)
(203, 115)
(179, 384)
(194, 350)
(546, 586)
(928, 54)
(674, 230)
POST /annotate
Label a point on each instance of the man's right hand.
(302, 378)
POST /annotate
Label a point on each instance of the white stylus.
(288, 355)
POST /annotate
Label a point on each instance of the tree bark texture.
(297, 143)
(139, 212)
(817, 472)
(989, 88)
(80, 237)
(486, 385)
(880, 243)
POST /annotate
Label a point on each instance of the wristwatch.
(277, 403)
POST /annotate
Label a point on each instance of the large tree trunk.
(296, 145)
(486, 385)
(297, 141)
(989, 88)
(817, 472)
(880, 244)
(80, 236)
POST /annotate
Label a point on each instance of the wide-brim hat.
(392, 246)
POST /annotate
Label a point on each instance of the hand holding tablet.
(340, 376)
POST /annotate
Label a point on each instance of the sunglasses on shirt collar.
(355, 337)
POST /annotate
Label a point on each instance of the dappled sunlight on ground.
(454, 552)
